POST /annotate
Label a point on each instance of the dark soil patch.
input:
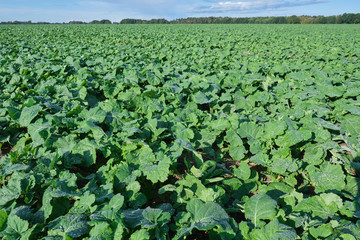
(180, 164)
(230, 163)
(238, 216)
(5, 149)
(345, 145)
(178, 176)
(198, 235)
(256, 167)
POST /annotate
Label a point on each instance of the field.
(180, 131)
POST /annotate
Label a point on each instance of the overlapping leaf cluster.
(161, 132)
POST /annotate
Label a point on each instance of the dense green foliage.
(165, 132)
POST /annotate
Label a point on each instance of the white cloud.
(115, 10)
(219, 6)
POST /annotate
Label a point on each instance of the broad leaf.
(260, 207)
(327, 177)
(28, 114)
(243, 171)
(207, 215)
(274, 231)
(351, 125)
(73, 225)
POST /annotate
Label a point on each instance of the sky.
(115, 10)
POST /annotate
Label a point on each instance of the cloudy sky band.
(115, 10)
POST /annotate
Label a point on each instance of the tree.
(331, 20)
(320, 20)
(279, 20)
(104, 21)
(294, 20)
(77, 22)
(349, 18)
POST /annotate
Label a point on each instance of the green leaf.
(274, 231)
(277, 189)
(183, 132)
(293, 137)
(85, 202)
(317, 206)
(133, 218)
(10, 192)
(101, 231)
(220, 124)
(136, 199)
(279, 69)
(184, 144)
(259, 207)
(203, 216)
(250, 130)
(237, 150)
(207, 195)
(332, 198)
(17, 225)
(196, 172)
(322, 135)
(141, 234)
(28, 114)
(38, 132)
(326, 124)
(233, 138)
(204, 138)
(14, 113)
(155, 217)
(207, 215)
(84, 152)
(351, 125)
(322, 231)
(237, 153)
(118, 234)
(281, 165)
(148, 217)
(261, 158)
(3, 217)
(351, 187)
(243, 171)
(82, 93)
(96, 115)
(314, 154)
(97, 131)
(63, 145)
(46, 201)
(327, 177)
(73, 225)
(274, 129)
(331, 91)
(201, 98)
(155, 168)
(347, 236)
(116, 202)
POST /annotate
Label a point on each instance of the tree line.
(346, 18)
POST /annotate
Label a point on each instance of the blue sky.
(115, 10)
